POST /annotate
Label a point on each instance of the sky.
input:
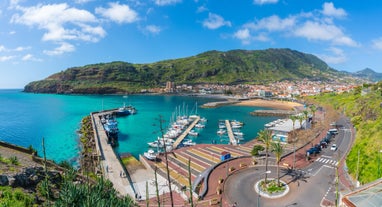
(41, 37)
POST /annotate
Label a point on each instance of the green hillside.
(232, 67)
(364, 106)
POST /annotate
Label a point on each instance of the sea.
(28, 118)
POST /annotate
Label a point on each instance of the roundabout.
(244, 189)
(271, 191)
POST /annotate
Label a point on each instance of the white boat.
(199, 125)
(235, 126)
(159, 142)
(150, 155)
(193, 133)
(203, 119)
(221, 131)
(238, 134)
(188, 143)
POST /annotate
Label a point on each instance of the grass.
(365, 112)
(272, 187)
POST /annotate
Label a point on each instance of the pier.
(109, 161)
(218, 103)
(230, 133)
(185, 133)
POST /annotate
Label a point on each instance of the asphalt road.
(308, 186)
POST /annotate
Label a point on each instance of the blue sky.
(39, 38)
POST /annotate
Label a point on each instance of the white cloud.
(120, 13)
(166, 2)
(337, 56)
(20, 49)
(153, 29)
(12, 32)
(201, 9)
(327, 32)
(63, 48)
(215, 21)
(30, 57)
(243, 35)
(265, 1)
(328, 9)
(61, 22)
(2, 48)
(6, 58)
(82, 1)
(377, 43)
(273, 23)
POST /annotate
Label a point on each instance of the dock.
(185, 133)
(230, 133)
(109, 161)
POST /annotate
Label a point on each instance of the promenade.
(111, 167)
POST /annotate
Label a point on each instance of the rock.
(3, 180)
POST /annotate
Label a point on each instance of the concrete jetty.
(218, 103)
(185, 133)
(110, 164)
(230, 133)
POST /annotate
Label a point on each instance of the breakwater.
(218, 103)
(282, 113)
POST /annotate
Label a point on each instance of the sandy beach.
(283, 105)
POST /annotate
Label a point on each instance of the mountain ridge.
(219, 67)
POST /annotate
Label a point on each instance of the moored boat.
(150, 155)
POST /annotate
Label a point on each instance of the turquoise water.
(27, 118)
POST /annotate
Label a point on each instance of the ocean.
(27, 118)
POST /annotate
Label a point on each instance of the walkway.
(185, 133)
(110, 164)
(230, 133)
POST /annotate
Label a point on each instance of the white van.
(333, 131)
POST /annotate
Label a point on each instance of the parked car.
(333, 147)
(323, 144)
(312, 150)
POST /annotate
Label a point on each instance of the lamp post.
(258, 197)
(379, 163)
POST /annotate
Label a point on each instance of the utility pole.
(357, 175)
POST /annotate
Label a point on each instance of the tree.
(256, 149)
(278, 149)
(313, 110)
(265, 136)
(300, 119)
(306, 117)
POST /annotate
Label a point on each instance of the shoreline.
(274, 104)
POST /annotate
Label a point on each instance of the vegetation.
(256, 149)
(265, 136)
(100, 194)
(272, 187)
(363, 106)
(15, 197)
(278, 149)
(232, 67)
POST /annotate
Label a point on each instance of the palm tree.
(278, 149)
(300, 119)
(306, 117)
(265, 136)
(313, 109)
(294, 118)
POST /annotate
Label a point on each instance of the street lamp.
(379, 162)
(258, 197)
